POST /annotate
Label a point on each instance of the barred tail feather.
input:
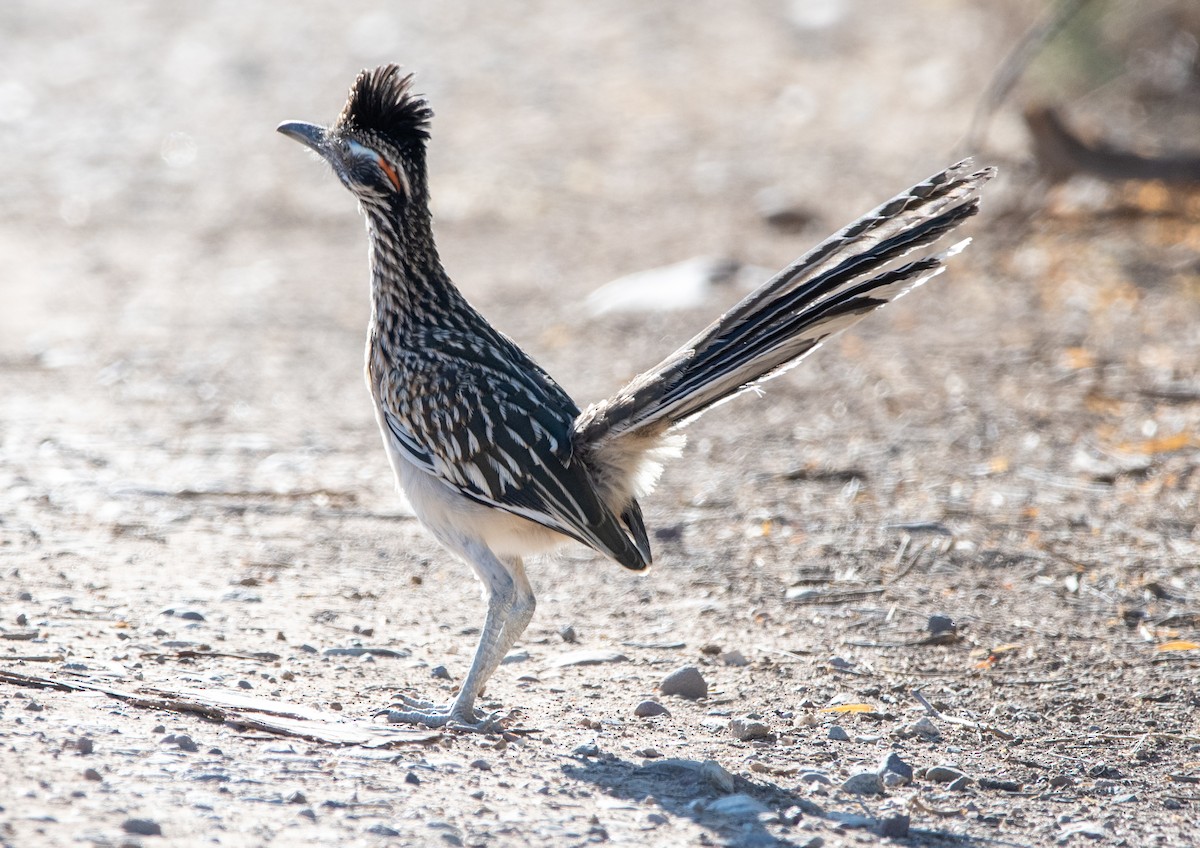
(827, 290)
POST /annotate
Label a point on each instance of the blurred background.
(184, 426)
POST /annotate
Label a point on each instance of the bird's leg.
(510, 605)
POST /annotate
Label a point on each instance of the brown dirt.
(193, 496)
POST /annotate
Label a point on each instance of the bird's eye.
(394, 175)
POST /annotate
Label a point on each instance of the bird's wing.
(486, 421)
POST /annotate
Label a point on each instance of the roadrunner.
(496, 459)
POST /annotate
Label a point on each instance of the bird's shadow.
(736, 811)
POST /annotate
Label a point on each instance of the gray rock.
(647, 709)
(686, 682)
(893, 765)
(943, 774)
(816, 777)
(745, 729)
(141, 827)
(863, 783)
(735, 658)
(838, 733)
(737, 806)
(895, 827)
(923, 728)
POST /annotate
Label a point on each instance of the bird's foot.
(408, 710)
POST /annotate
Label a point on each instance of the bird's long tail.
(873, 261)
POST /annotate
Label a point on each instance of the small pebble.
(893, 765)
(296, 797)
(91, 774)
(34, 707)
(656, 819)
(1060, 780)
(568, 634)
(439, 672)
(245, 684)
(646, 709)
(382, 830)
(686, 682)
(84, 745)
(482, 765)
(735, 658)
(1002, 785)
(938, 624)
(22, 620)
(838, 733)
(191, 615)
(923, 728)
(412, 778)
(745, 729)
(943, 774)
(863, 783)
(816, 777)
(308, 813)
(588, 749)
(141, 827)
(737, 806)
(647, 753)
(182, 741)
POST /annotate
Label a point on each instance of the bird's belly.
(452, 517)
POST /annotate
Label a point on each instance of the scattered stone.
(816, 777)
(656, 819)
(1089, 829)
(922, 727)
(895, 827)
(781, 211)
(647, 709)
(1061, 780)
(1002, 785)
(838, 733)
(735, 658)
(296, 797)
(716, 774)
(141, 827)
(308, 813)
(482, 765)
(359, 651)
(745, 729)
(22, 620)
(900, 771)
(710, 650)
(647, 753)
(245, 684)
(412, 778)
(33, 706)
(737, 806)
(588, 749)
(91, 774)
(84, 745)
(943, 774)
(439, 672)
(587, 658)
(961, 785)
(815, 842)
(863, 783)
(182, 741)
(191, 615)
(686, 682)
(840, 664)
(568, 634)
(382, 830)
(939, 624)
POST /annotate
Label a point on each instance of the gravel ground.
(937, 585)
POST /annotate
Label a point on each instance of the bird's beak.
(309, 135)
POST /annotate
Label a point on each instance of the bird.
(495, 458)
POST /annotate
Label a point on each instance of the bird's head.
(377, 145)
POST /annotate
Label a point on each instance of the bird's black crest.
(382, 101)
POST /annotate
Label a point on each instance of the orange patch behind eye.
(391, 174)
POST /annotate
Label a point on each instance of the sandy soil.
(195, 513)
